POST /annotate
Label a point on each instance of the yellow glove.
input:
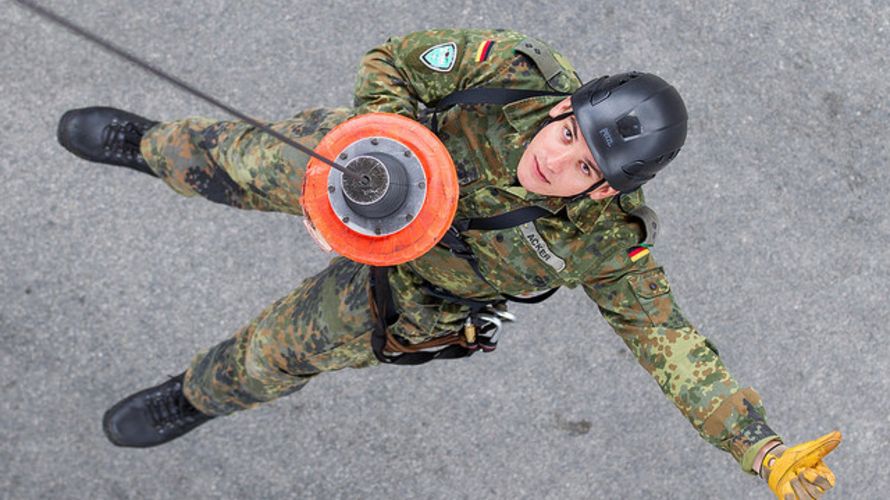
(798, 473)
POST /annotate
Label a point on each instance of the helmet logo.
(607, 136)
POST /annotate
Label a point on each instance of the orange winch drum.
(405, 201)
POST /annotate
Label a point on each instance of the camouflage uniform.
(326, 323)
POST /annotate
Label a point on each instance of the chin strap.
(583, 194)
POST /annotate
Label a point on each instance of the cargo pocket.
(652, 291)
(417, 323)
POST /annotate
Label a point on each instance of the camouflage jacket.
(590, 243)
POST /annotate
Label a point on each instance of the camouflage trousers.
(326, 323)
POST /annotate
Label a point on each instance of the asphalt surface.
(775, 235)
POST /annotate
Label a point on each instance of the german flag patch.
(637, 253)
(483, 50)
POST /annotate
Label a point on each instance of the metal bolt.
(421, 185)
(377, 230)
(346, 220)
(375, 141)
(331, 189)
(343, 156)
(408, 217)
(407, 154)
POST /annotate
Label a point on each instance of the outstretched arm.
(635, 298)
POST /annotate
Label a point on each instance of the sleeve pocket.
(652, 290)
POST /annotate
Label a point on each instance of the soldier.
(579, 152)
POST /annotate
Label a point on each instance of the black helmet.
(634, 124)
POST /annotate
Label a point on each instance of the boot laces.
(123, 138)
(169, 409)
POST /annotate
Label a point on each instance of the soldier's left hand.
(798, 473)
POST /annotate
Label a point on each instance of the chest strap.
(496, 95)
(455, 243)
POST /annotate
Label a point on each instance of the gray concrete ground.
(775, 235)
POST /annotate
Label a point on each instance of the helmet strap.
(583, 194)
(550, 120)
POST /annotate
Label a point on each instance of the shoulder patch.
(441, 57)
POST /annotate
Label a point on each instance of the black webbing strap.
(386, 311)
(455, 243)
(474, 305)
(498, 96)
(514, 218)
(387, 316)
(493, 95)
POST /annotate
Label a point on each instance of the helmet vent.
(629, 126)
(626, 78)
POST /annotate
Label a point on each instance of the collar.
(525, 118)
(585, 213)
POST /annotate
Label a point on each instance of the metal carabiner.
(493, 336)
(504, 315)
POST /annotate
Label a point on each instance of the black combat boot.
(153, 416)
(105, 135)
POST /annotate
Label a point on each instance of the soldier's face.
(557, 161)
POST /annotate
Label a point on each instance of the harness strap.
(507, 220)
(499, 96)
(453, 241)
(382, 340)
(491, 95)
